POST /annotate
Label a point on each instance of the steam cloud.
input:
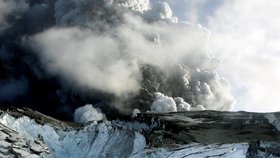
(165, 104)
(88, 113)
(116, 52)
(246, 36)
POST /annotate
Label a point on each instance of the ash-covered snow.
(13, 144)
(104, 140)
(116, 138)
(93, 140)
(198, 150)
(275, 121)
(133, 125)
(139, 143)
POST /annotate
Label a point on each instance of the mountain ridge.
(177, 134)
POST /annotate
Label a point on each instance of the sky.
(245, 36)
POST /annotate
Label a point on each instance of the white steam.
(88, 113)
(246, 34)
(160, 11)
(137, 5)
(88, 60)
(94, 49)
(165, 104)
(135, 112)
(211, 91)
(181, 104)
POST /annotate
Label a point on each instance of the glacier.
(27, 133)
(93, 140)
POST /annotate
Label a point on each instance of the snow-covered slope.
(14, 144)
(25, 133)
(92, 140)
(198, 150)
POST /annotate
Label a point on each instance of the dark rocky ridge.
(39, 117)
(209, 127)
(174, 130)
(205, 127)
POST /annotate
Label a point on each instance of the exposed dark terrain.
(174, 130)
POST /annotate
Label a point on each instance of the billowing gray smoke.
(117, 53)
(9, 9)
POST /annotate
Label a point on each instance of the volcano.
(132, 78)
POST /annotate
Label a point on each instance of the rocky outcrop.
(13, 144)
(27, 133)
(61, 139)
(250, 134)
(214, 127)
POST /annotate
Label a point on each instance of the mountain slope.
(26, 133)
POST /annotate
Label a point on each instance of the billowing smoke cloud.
(88, 113)
(88, 60)
(10, 9)
(163, 104)
(119, 53)
(181, 104)
(246, 35)
(193, 11)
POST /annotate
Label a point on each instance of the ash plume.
(116, 53)
(9, 10)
